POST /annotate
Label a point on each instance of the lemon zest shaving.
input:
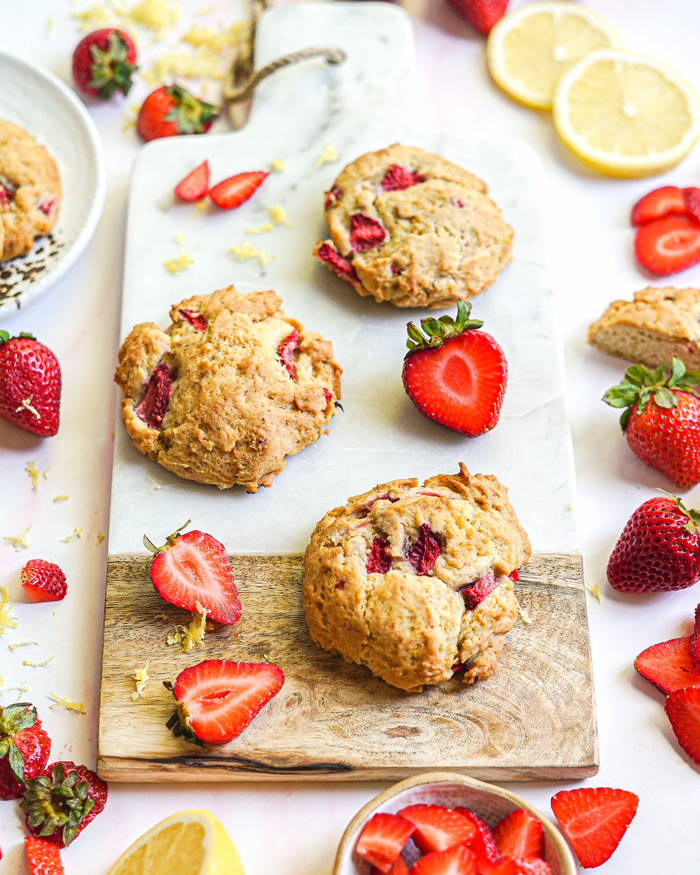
(278, 165)
(77, 533)
(155, 15)
(202, 63)
(142, 677)
(594, 591)
(21, 541)
(61, 497)
(32, 664)
(34, 474)
(6, 621)
(46, 472)
(329, 155)
(247, 250)
(215, 40)
(100, 537)
(60, 702)
(200, 205)
(278, 215)
(188, 637)
(259, 229)
(26, 404)
(93, 17)
(22, 688)
(50, 25)
(524, 616)
(175, 265)
(21, 644)
(180, 237)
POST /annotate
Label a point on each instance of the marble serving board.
(536, 717)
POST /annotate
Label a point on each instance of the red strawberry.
(521, 866)
(519, 834)
(171, 110)
(661, 419)
(104, 62)
(43, 581)
(424, 551)
(481, 14)
(669, 244)
(458, 860)
(691, 199)
(438, 828)
(382, 839)
(594, 820)
(43, 858)
(694, 644)
(232, 192)
(683, 710)
(476, 592)
(660, 202)
(154, 404)
(378, 557)
(62, 801)
(195, 185)
(398, 178)
(193, 568)
(286, 351)
(399, 867)
(365, 233)
(331, 197)
(483, 844)
(456, 375)
(667, 665)
(217, 699)
(24, 748)
(658, 550)
(196, 320)
(30, 384)
(339, 264)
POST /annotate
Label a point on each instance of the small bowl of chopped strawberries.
(444, 822)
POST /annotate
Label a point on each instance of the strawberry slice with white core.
(458, 860)
(483, 844)
(195, 185)
(669, 244)
(520, 834)
(232, 192)
(193, 570)
(668, 665)
(382, 840)
(438, 828)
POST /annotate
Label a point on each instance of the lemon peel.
(6, 621)
(20, 541)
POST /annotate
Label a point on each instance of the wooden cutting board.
(535, 718)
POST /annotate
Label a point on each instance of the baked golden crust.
(409, 623)
(445, 238)
(234, 411)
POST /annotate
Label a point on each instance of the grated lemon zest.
(6, 621)
(32, 664)
(77, 533)
(247, 250)
(93, 17)
(524, 616)
(142, 677)
(50, 25)
(259, 229)
(155, 484)
(22, 688)
(200, 205)
(46, 472)
(278, 165)
(202, 63)
(34, 474)
(100, 537)
(278, 214)
(61, 498)
(329, 155)
(188, 637)
(60, 702)
(155, 15)
(21, 541)
(203, 10)
(217, 40)
(594, 591)
(21, 644)
(175, 265)
(180, 237)
(26, 404)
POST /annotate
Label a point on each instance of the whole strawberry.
(661, 420)
(43, 581)
(659, 548)
(24, 748)
(481, 14)
(455, 374)
(30, 384)
(62, 801)
(171, 110)
(104, 62)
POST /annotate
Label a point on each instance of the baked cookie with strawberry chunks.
(231, 389)
(416, 582)
(30, 191)
(411, 228)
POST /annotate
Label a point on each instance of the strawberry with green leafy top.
(24, 748)
(171, 110)
(104, 62)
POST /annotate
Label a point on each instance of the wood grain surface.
(533, 719)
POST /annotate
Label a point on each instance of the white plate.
(40, 103)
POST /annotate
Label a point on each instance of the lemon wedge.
(529, 49)
(190, 843)
(626, 115)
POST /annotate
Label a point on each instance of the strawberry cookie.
(30, 191)
(229, 390)
(413, 229)
(416, 582)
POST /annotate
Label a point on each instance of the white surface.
(39, 102)
(294, 829)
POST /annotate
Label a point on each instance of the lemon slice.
(189, 843)
(529, 49)
(626, 115)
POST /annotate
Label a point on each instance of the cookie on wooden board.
(411, 228)
(413, 581)
(231, 389)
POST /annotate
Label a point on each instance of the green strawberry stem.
(438, 330)
(693, 524)
(13, 719)
(189, 113)
(170, 541)
(179, 722)
(111, 70)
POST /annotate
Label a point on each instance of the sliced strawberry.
(378, 557)
(667, 665)
(481, 14)
(43, 858)
(398, 178)
(195, 185)
(194, 569)
(154, 404)
(43, 581)
(424, 551)
(458, 860)
(286, 351)
(660, 202)
(365, 232)
(483, 844)
(438, 828)
(691, 198)
(196, 320)
(382, 840)
(520, 834)
(683, 710)
(232, 192)
(532, 866)
(694, 644)
(476, 592)
(339, 264)
(399, 867)
(217, 699)
(669, 244)
(594, 820)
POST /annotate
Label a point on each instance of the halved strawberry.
(669, 244)
(694, 643)
(438, 828)
(458, 860)
(43, 581)
(683, 710)
(594, 820)
(382, 840)
(232, 192)
(660, 202)
(456, 375)
(483, 844)
(43, 858)
(195, 185)
(217, 699)
(667, 665)
(519, 834)
(194, 568)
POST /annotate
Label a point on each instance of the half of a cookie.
(231, 389)
(413, 229)
(416, 582)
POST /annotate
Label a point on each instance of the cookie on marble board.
(231, 389)
(416, 582)
(413, 229)
(30, 191)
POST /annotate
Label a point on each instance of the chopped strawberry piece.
(515, 575)
(379, 557)
(43, 581)
(594, 820)
(382, 840)
(481, 14)
(532, 866)
(458, 860)
(396, 270)
(286, 350)
(691, 198)
(339, 264)
(424, 551)
(154, 405)
(668, 665)
(397, 178)
(399, 867)
(694, 645)
(43, 858)
(365, 232)
(683, 710)
(483, 844)
(663, 201)
(4, 198)
(195, 185)
(669, 244)
(328, 395)
(520, 834)
(438, 828)
(46, 207)
(331, 197)
(476, 592)
(232, 192)
(196, 320)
